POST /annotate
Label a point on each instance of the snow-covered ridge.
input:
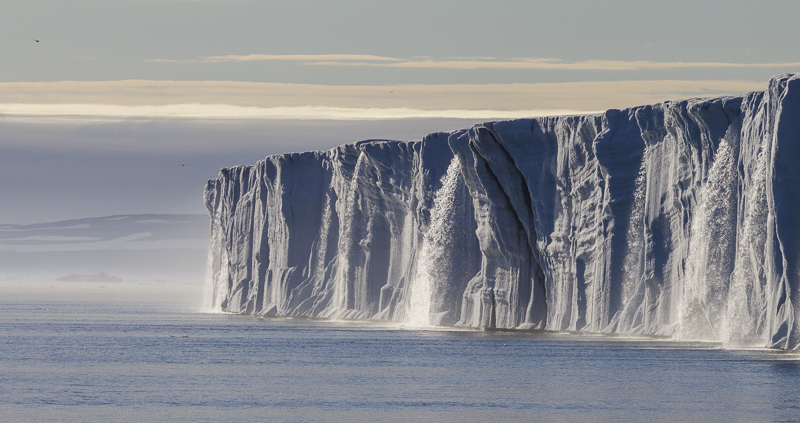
(674, 219)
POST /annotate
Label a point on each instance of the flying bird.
(36, 40)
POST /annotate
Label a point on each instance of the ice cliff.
(675, 219)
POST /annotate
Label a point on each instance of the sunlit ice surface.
(149, 352)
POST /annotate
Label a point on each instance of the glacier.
(676, 219)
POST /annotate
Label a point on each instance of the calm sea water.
(127, 352)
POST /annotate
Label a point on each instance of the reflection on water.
(139, 353)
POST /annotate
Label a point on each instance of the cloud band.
(466, 63)
(300, 99)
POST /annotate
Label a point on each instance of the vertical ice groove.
(501, 293)
(343, 286)
(674, 219)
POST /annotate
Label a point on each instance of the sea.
(145, 351)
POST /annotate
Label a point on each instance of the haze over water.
(125, 108)
(146, 352)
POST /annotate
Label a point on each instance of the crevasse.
(674, 219)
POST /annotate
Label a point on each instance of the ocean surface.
(90, 352)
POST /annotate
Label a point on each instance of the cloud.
(303, 58)
(304, 101)
(554, 64)
(225, 111)
(339, 58)
(466, 63)
(169, 60)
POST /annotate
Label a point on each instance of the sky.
(129, 106)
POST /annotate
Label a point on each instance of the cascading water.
(322, 245)
(700, 243)
(747, 303)
(711, 251)
(631, 315)
(419, 303)
(435, 266)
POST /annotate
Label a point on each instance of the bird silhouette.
(36, 40)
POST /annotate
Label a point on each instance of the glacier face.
(675, 219)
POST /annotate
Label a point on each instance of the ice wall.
(674, 219)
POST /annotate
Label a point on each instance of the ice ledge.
(669, 219)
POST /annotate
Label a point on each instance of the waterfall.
(711, 252)
(747, 304)
(667, 219)
(631, 315)
(435, 264)
(321, 262)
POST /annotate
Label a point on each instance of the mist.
(70, 168)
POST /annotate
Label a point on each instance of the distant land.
(141, 247)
